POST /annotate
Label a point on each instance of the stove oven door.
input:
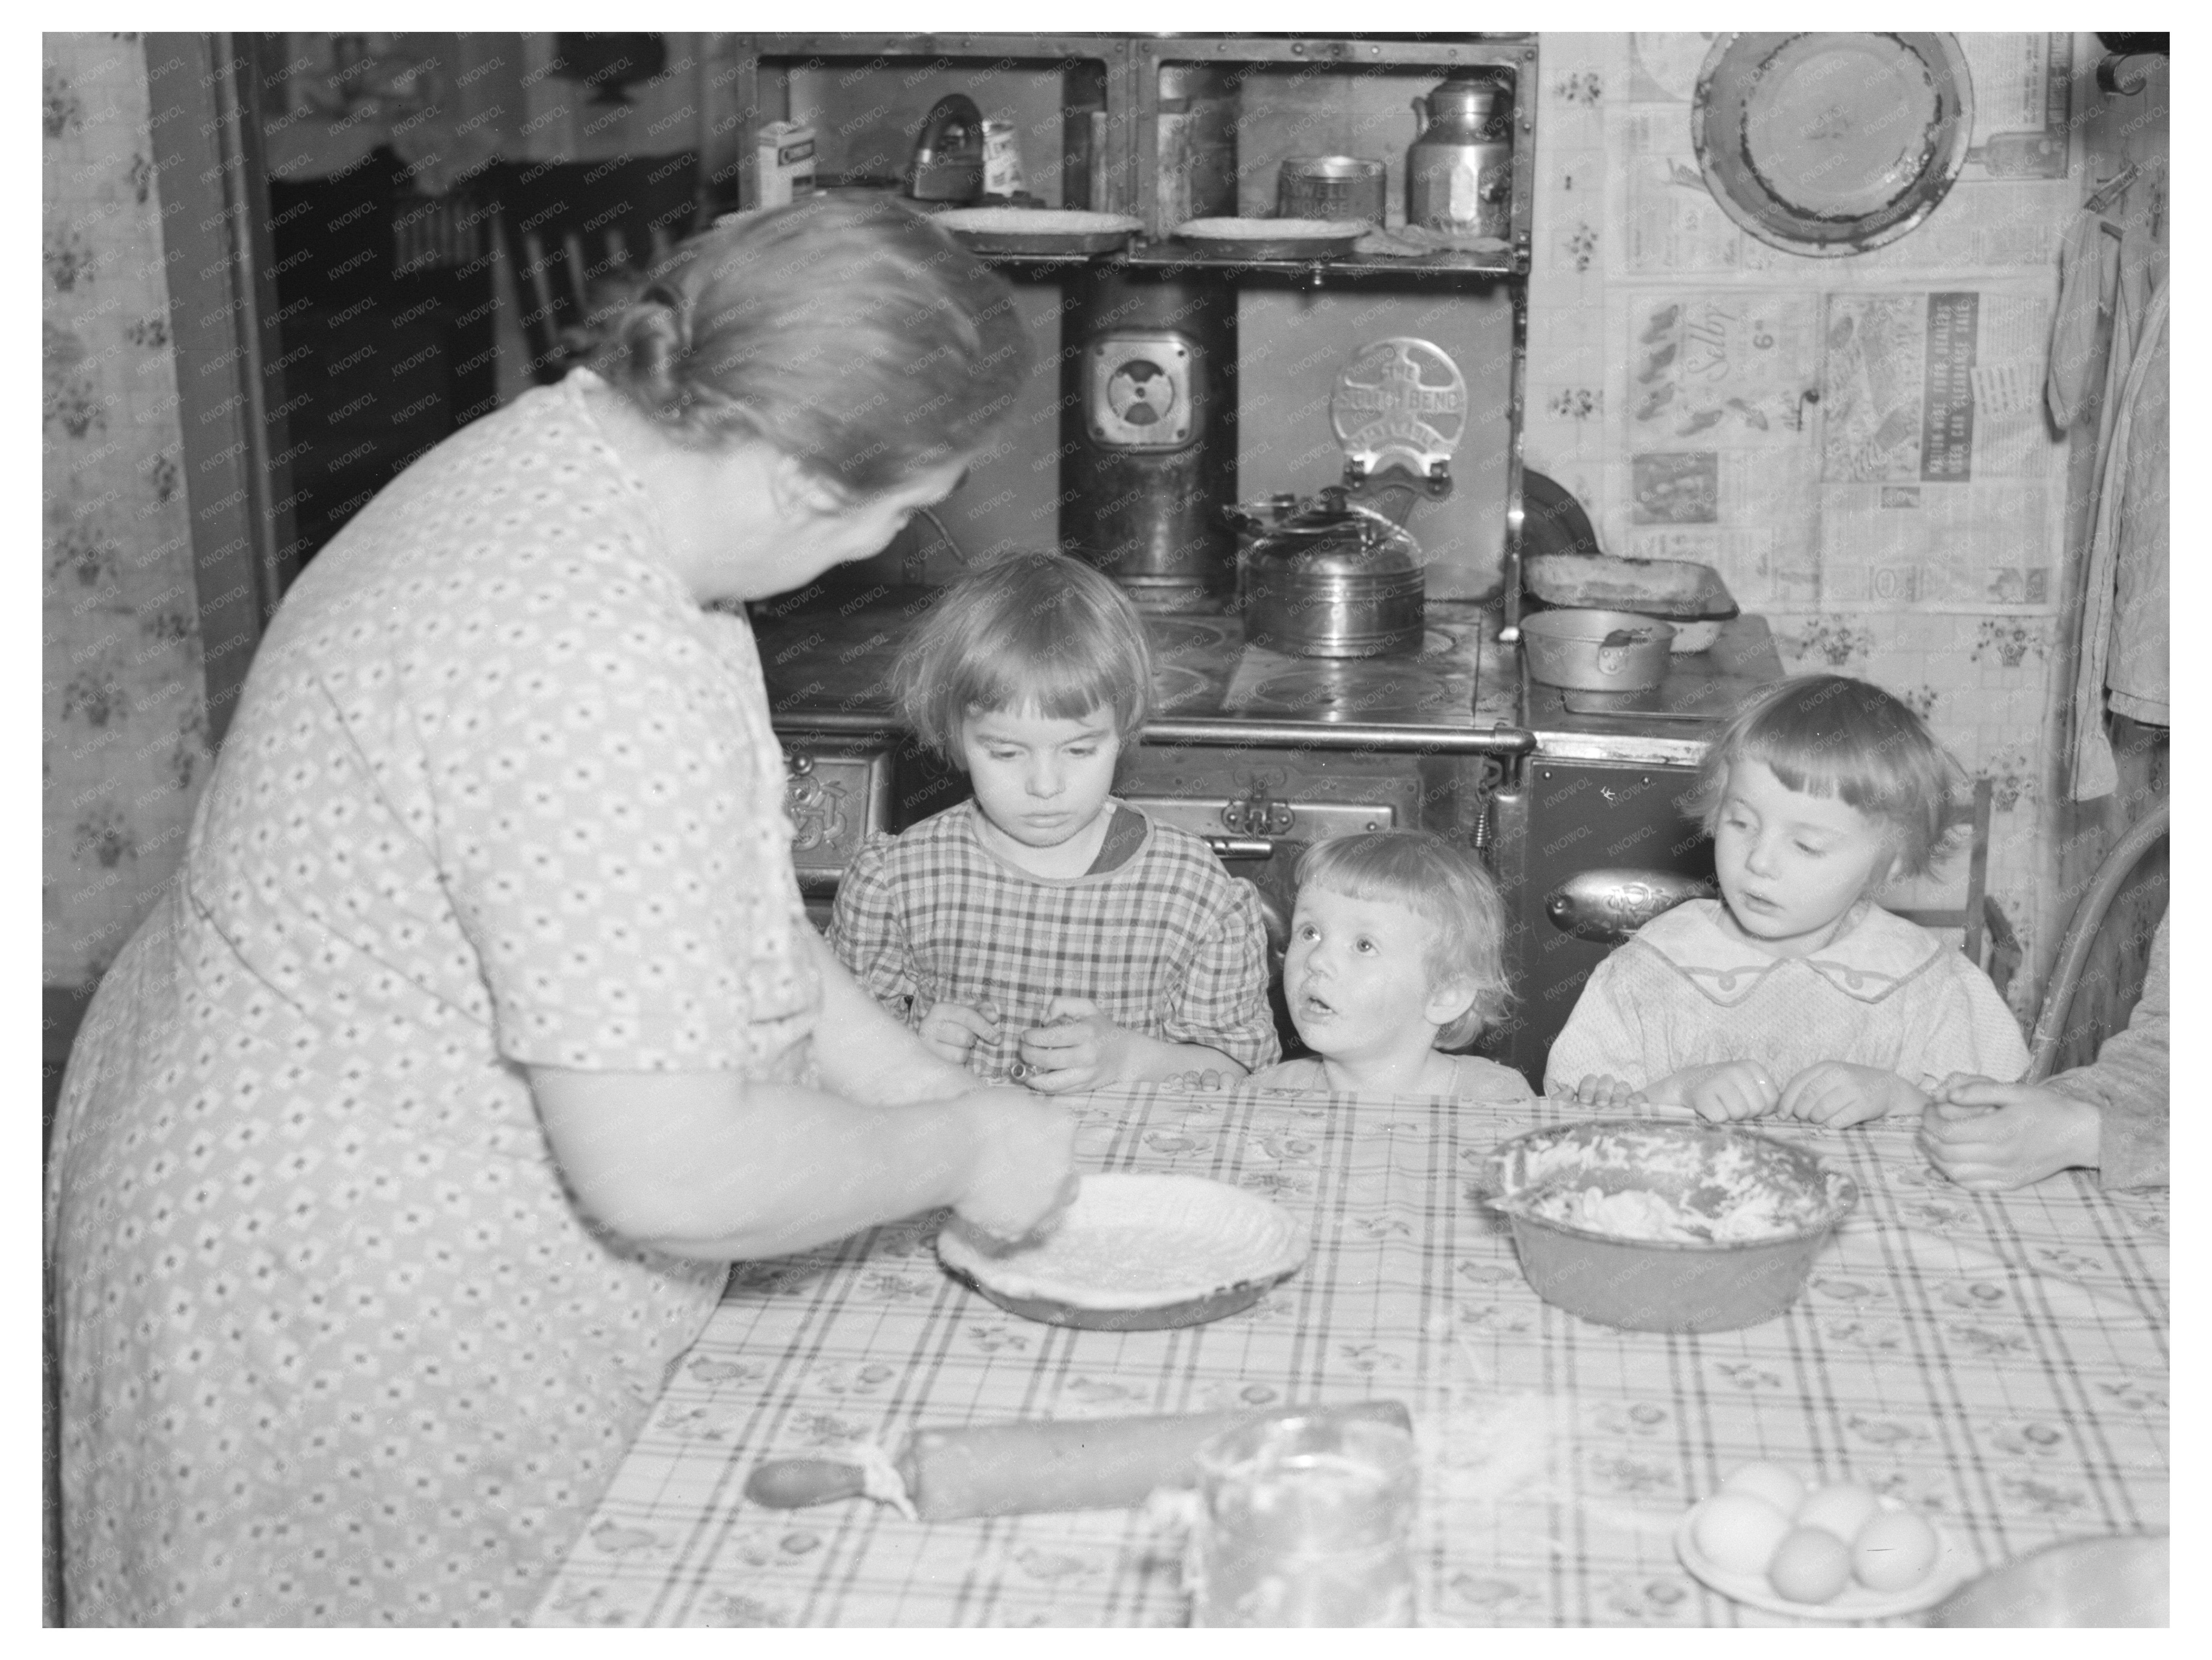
(1259, 819)
(1585, 852)
(837, 793)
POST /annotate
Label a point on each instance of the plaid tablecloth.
(1998, 1361)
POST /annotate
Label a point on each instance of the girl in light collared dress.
(405, 1148)
(1794, 992)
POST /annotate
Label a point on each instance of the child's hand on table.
(1839, 1094)
(1988, 1136)
(1207, 1078)
(1724, 1091)
(949, 1030)
(1603, 1089)
(1076, 1048)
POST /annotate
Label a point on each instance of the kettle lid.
(1328, 520)
(1474, 93)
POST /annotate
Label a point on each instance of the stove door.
(1586, 852)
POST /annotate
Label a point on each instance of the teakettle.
(1459, 171)
(1330, 579)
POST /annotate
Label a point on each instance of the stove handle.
(1242, 847)
(1608, 906)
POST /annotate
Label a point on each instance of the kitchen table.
(1999, 1361)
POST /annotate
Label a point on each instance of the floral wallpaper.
(1628, 239)
(125, 728)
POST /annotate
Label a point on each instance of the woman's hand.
(1600, 1088)
(1076, 1048)
(1725, 1091)
(950, 1031)
(1025, 1175)
(1988, 1136)
(1839, 1094)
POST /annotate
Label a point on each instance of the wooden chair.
(1986, 934)
(581, 237)
(2081, 937)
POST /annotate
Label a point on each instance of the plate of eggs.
(1832, 1552)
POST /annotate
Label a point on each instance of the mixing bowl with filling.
(1663, 1226)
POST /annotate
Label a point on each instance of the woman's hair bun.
(850, 333)
(650, 344)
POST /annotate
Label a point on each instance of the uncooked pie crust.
(1139, 1242)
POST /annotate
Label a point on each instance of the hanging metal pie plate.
(1832, 144)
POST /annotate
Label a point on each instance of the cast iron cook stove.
(826, 672)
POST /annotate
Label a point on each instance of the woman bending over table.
(406, 1144)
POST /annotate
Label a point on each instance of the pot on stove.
(1330, 579)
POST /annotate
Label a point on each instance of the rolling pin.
(1041, 1465)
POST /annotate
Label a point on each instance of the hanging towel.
(2130, 520)
(2136, 671)
(2089, 276)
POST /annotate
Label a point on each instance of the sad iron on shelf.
(947, 165)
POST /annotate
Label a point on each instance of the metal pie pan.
(1272, 239)
(1054, 232)
(1196, 1311)
(1749, 171)
(1136, 1251)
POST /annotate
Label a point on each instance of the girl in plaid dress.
(1043, 930)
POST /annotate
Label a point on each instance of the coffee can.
(1002, 159)
(1331, 187)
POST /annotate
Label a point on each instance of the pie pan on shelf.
(1039, 230)
(1272, 239)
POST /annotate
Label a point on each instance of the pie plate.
(1272, 239)
(1138, 1253)
(1039, 230)
(1854, 1602)
(1832, 144)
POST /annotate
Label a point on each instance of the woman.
(404, 1147)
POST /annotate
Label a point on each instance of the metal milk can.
(1459, 171)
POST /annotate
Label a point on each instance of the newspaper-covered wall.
(1856, 433)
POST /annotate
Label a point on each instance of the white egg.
(1841, 1507)
(1893, 1551)
(1810, 1565)
(1777, 1484)
(1739, 1532)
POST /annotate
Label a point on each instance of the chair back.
(2081, 935)
(581, 237)
(1984, 934)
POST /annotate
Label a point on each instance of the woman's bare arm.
(710, 1165)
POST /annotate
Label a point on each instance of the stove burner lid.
(1191, 636)
(1367, 691)
(1173, 685)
